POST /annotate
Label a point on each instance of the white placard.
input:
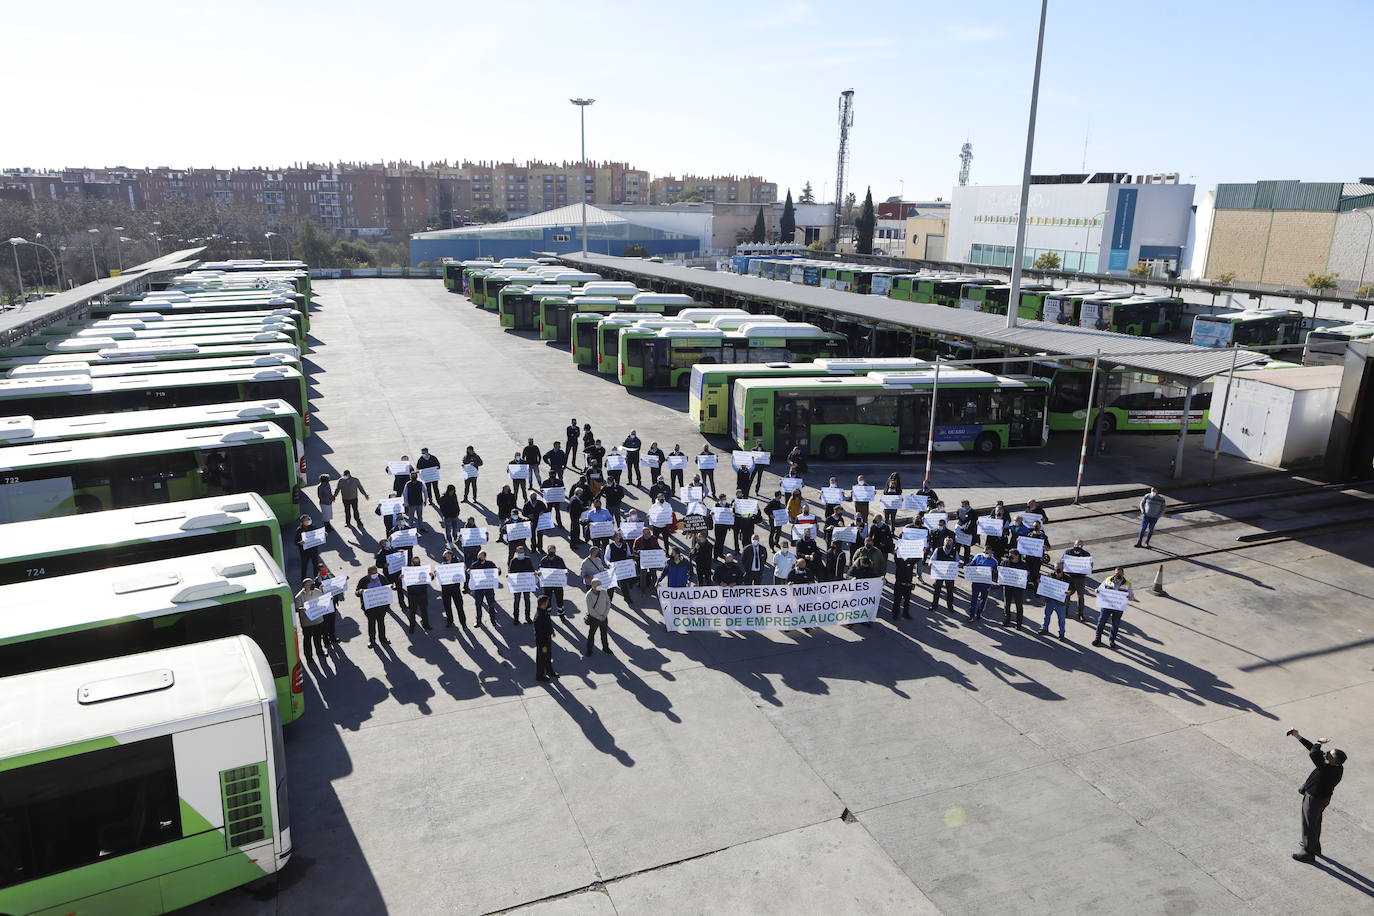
(631, 529)
(398, 468)
(910, 549)
(391, 505)
(677, 462)
(791, 484)
(992, 527)
(978, 574)
(315, 608)
(517, 531)
(718, 608)
(484, 579)
(624, 570)
(404, 537)
(918, 501)
(1082, 566)
(429, 475)
(451, 573)
(762, 459)
(615, 462)
(1011, 577)
(653, 559)
(803, 529)
(1030, 518)
(706, 462)
(832, 496)
(472, 537)
(648, 461)
(555, 495)
(313, 537)
(944, 570)
(1111, 599)
(545, 522)
(395, 562)
(691, 494)
(933, 519)
(891, 501)
(1030, 547)
(722, 515)
(600, 529)
(415, 575)
(781, 517)
(1053, 589)
(376, 596)
(963, 538)
(335, 585)
(521, 582)
(847, 535)
(470, 471)
(660, 515)
(742, 461)
(518, 471)
(553, 577)
(746, 507)
(863, 493)
(919, 535)
(606, 577)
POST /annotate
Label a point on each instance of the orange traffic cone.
(1158, 586)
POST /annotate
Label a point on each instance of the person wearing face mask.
(754, 561)
(417, 601)
(552, 560)
(1078, 582)
(783, 561)
(519, 563)
(978, 599)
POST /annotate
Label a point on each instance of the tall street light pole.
(1014, 298)
(582, 116)
(14, 247)
(95, 268)
(268, 236)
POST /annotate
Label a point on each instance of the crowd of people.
(690, 530)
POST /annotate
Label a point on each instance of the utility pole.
(582, 115)
(841, 164)
(1014, 297)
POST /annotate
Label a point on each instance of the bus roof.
(734, 322)
(1245, 315)
(549, 289)
(18, 430)
(78, 383)
(594, 300)
(36, 455)
(137, 694)
(706, 314)
(662, 298)
(106, 369)
(113, 527)
(839, 366)
(783, 329)
(916, 379)
(1356, 329)
(163, 332)
(647, 324)
(698, 331)
(164, 320)
(102, 342)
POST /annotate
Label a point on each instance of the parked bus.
(98, 369)
(888, 413)
(1326, 346)
(1063, 305)
(610, 330)
(518, 306)
(48, 547)
(159, 352)
(105, 613)
(143, 321)
(143, 783)
(664, 358)
(980, 297)
(1131, 401)
(497, 280)
(1249, 328)
(555, 314)
(708, 392)
(116, 472)
(148, 345)
(947, 290)
(63, 395)
(204, 305)
(1140, 316)
(159, 331)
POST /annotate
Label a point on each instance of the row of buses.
(149, 654)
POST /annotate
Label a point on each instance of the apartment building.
(746, 189)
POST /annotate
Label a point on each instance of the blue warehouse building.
(557, 230)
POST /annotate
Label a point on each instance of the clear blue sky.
(1222, 90)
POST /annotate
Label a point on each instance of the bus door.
(913, 422)
(562, 322)
(1024, 409)
(792, 424)
(526, 314)
(658, 370)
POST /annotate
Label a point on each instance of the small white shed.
(1278, 417)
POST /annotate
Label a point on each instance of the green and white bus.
(142, 783)
(105, 613)
(158, 352)
(1131, 401)
(1326, 346)
(556, 315)
(98, 369)
(1140, 316)
(492, 282)
(888, 413)
(1063, 305)
(48, 547)
(148, 345)
(610, 330)
(142, 321)
(708, 392)
(981, 297)
(518, 306)
(49, 480)
(158, 332)
(202, 305)
(616, 289)
(664, 358)
(940, 289)
(42, 397)
(1249, 328)
(583, 324)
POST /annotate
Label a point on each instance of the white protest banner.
(945, 570)
(429, 475)
(615, 462)
(1111, 599)
(978, 574)
(916, 501)
(553, 577)
(832, 496)
(451, 573)
(648, 461)
(521, 582)
(482, 580)
(606, 577)
(472, 537)
(395, 562)
(415, 575)
(910, 548)
(391, 505)
(847, 535)
(770, 607)
(781, 517)
(517, 531)
(762, 459)
(746, 507)
(313, 538)
(722, 515)
(1030, 518)
(863, 493)
(518, 471)
(1030, 547)
(791, 484)
(555, 496)
(742, 461)
(335, 585)
(803, 529)
(660, 515)
(404, 537)
(631, 529)
(677, 462)
(992, 527)
(964, 538)
(706, 461)
(1011, 578)
(624, 570)
(398, 468)
(1080, 565)
(376, 596)
(470, 471)
(891, 501)
(315, 608)
(601, 529)
(1054, 589)
(653, 559)
(933, 519)
(691, 494)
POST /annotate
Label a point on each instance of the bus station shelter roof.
(1180, 361)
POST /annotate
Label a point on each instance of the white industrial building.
(1278, 417)
(1099, 223)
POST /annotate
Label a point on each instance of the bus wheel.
(986, 444)
(684, 381)
(834, 448)
(1109, 423)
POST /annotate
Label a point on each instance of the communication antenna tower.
(965, 159)
(842, 163)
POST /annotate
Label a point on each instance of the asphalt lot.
(931, 767)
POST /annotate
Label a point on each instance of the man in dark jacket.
(1328, 768)
(571, 435)
(531, 455)
(520, 563)
(903, 576)
(506, 502)
(631, 446)
(533, 508)
(554, 592)
(947, 552)
(543, 643)
(484, 597)
(557, 460)
(729, 572)
(414, 494)
(703, 558)
(1077, 581)
(426, 460)
(755, 560)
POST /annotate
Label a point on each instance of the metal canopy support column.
(1087, 422)
(1183, 432)
(1221, 424)
(930, 431)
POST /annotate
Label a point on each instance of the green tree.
(354, 254)
(1048, 260)
(808, 196)
(787, 225)
(694, 196)
(635, 251)
(760, 232)
(1227, 278)
(864, 226)
(1140, 271)
(1366, 291)
(313, 246)
(1319, 282)
(847, 214)
(488, 214)
(817, 245)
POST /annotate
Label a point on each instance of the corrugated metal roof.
(1144, 354)
(1280, 195)
(570, 215)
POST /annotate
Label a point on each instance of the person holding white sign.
(967, 526)
(451, 591)
(993, 527)
(616, 551)
(655, 459)
(417, 597)
(600, 525)
(945, 552)
(483, 597)
(520, 562)
(677, 468)
(374, 592)
(978, 598)
(308, 545)
(778, 519)
(1120, 586)
(1055, 606)
(706, 469)
(598, 616)
(552, 561)
(648, 576)
(1078, 576)
(518, 470)
(762, 459)
(311, 628)
(426, 460)
(533, 508)
(1012, 571)
(472, 463)
(400, 472)
(746, 515)
(893, 488)
(863, 494)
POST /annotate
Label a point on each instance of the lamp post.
(38, 263)
(268, 236)
(157, 239)
(1014, 297)
(95, 268)
(1083, 267)
(582, 117)
(119, 246)
(62, 250)
(14, 247)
